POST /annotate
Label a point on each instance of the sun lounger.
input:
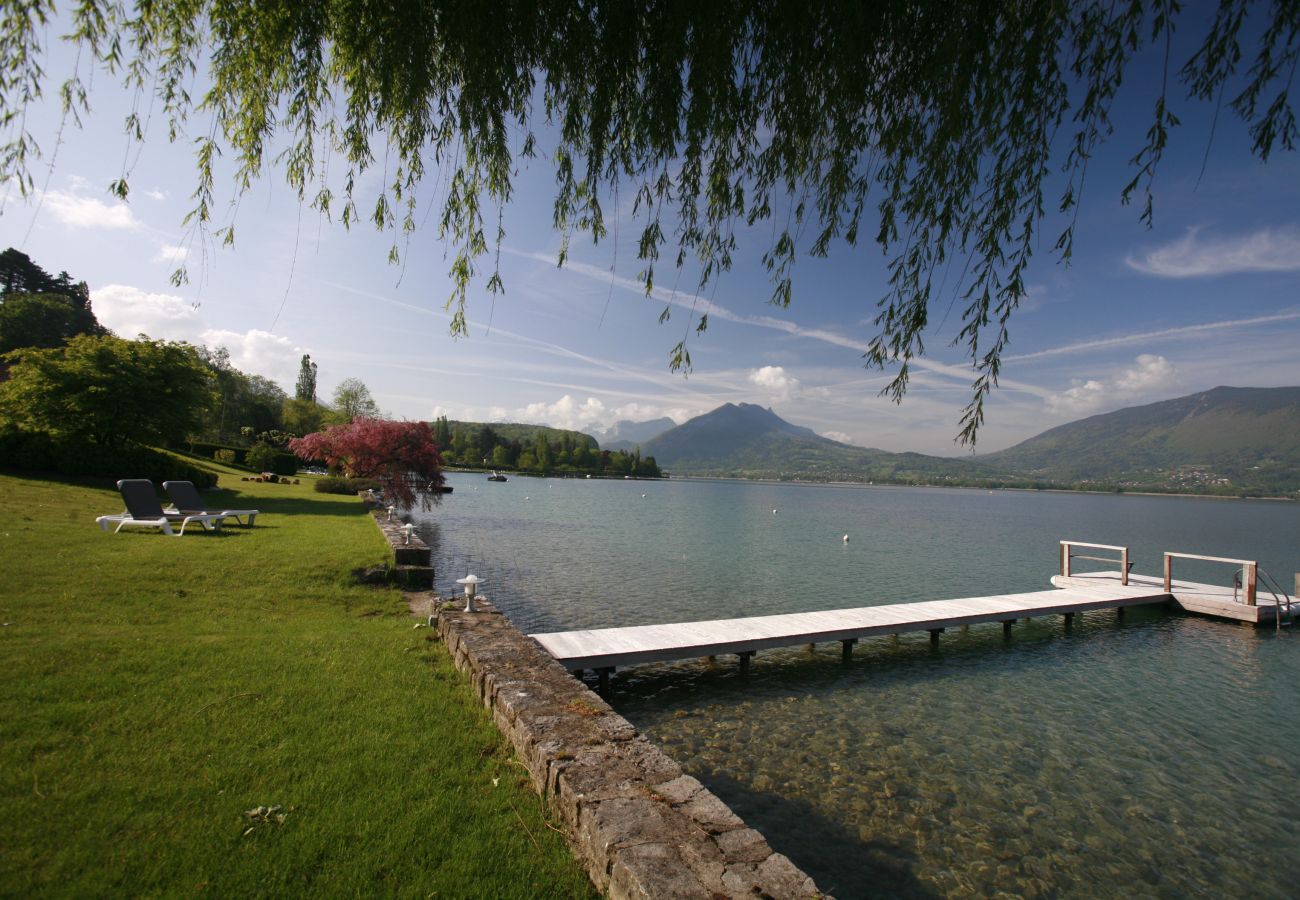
(185, 499)
(144, 511)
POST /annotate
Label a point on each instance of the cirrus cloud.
(1194, 256)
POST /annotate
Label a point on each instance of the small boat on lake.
(496, 476)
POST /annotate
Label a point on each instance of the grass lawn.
(154, 690)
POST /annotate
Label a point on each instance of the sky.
(1209, 296)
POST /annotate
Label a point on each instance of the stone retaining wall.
(642, 827)
(413, 560)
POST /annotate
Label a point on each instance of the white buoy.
(846, 538)
(774, 510)
(643, 496)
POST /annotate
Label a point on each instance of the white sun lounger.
(144, 511)
(186, 501)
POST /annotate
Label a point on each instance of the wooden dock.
(605, 649)
(608, 648)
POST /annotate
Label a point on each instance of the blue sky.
(1210, 296)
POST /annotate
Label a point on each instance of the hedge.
(284, 463)
(208, 449)
(60, 454)
(333, 484)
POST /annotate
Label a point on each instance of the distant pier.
(606, 649)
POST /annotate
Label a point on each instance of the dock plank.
(615, 647)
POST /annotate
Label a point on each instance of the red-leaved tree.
(402, 455)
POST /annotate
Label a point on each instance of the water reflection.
(1149, 755)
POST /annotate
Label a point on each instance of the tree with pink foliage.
(402, 455)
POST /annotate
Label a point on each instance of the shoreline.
(969, 487)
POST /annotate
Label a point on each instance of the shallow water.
(1154, 755)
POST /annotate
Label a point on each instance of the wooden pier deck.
(608, 648)
(605, 649)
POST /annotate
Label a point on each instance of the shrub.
(225, 457)
(284, 463)
(332, 484)
(39, 451)
(209, 449)
(260, 457)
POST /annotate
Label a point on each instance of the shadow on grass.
(226, 498)
(838, 859)
(288, 506)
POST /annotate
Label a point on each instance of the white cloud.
(565, 413)
(774, 381)
(130, 311)
(1267, 250)
(838, 436)
(258, 352)
(1152, 375)
(156, 194)
(77, 211)
(170, 253)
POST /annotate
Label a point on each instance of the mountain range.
(1226, 440)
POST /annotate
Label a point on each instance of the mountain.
(1233, 441)
(626, 435)
(1241, 439)
(745, 440)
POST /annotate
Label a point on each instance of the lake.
(1154, 755)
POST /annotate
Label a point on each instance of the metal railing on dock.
(1250, 569)
(1124, 565)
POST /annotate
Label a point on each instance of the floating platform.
(1189, 596)
(605, 649)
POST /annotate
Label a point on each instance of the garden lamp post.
(471, 583)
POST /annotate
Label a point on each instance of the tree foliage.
(931, 124)
(35, 320)
(305, 389)
(352, 401)
(401, 454)
(40, 310)
(108, 390)
(247, 405)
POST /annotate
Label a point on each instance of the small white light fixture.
(406, 532)
(471, 583)
(391, 510)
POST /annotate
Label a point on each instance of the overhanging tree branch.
(940, 120)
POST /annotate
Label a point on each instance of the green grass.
(154, 689)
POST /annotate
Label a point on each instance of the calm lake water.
(1157, 755)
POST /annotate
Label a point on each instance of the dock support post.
(744, 660)
(846, 649)
(1119, 612)
(1169, 574)
(1252, 571)
(603, 674)
(1123, 567)
(934, 636)
(1006, 627)
(577, 673)
(1069, 620)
